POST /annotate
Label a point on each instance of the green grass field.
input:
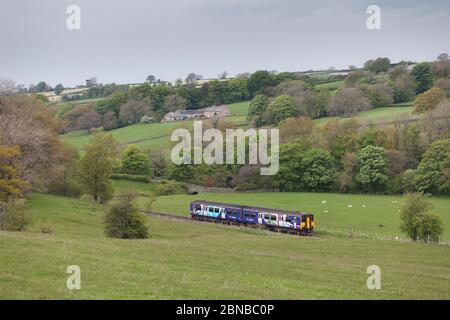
(156, 135)
(366, 214)
(204, 261)
(382, 113)
(334, 85)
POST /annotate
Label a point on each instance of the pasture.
(349, 214)
(156, 135)
(184, 260)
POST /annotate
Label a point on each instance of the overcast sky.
(123, 41)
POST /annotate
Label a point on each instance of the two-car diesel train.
(273, 219)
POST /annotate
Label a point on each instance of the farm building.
(210, 112)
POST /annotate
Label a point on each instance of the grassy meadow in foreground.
(204, 261)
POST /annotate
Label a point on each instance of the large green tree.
(372, 168)
(281, 108)
(423, 75)
(433, 173)
(134, 161)
(416, 221)
(319, 172)
(260, 80)
(96, 167)
(257, 108)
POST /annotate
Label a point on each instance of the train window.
(211, 209)
(266, 216)
(273, 218)
(216, 210)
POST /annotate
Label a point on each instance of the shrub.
(13, 217)
(417, 223)
(123, 219)
(130, 177)
(135, 162)
(429, 100)
(166, 188)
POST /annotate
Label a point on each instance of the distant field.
(154, 136)
(366, 214)
(205, 261)
(379, 113)
(331, 85)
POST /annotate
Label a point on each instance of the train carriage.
(272, 219)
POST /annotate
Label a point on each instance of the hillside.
(203, 261)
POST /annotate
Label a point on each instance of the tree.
(174, 102)
(348, 101)
(7, 87)
(260, 80)
(41, 87)
(59, 88)
(380, 94)
(281, 108)
(294, 128)
(158, 163)
(444, 85)
(411, 145)
(124, 221)
(429, 100)
(319, 172)
(88, 120)
(302, 95)
(29, 124)
(257, 108)
(433, 172)
(372, 168)
(96, 167)
(404, 88)
(134, 162)
(223, 75)
(416, 222)
(132, 111)
(151, 79)
(193, 78)
(380, 65)
(237, 90)
(12, 186)
(289, 176)
(423, 76)
(442, 57)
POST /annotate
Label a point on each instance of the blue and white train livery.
(273, 219)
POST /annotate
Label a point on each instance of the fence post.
(428, 239)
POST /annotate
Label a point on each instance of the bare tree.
(134, 110)
(7, 87)
(348, 101)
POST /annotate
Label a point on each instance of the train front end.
(307, 224)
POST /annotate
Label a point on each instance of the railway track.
(171, 216)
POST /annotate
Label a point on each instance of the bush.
(131, 177)
(135, 162)
(166, 188)
(13, 217)
(123, 219)
(417, 223)
(429, 227)
(429, 100)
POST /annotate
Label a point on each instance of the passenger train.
(273, 219)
